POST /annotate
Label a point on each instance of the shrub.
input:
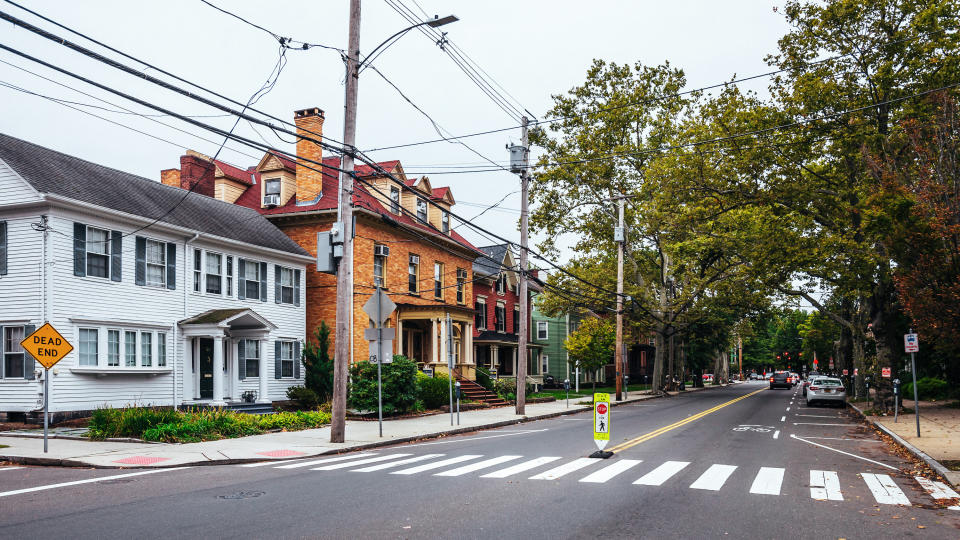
(399, 385)
(128, 422)
(317, 364)
(484, 378)
(433, 392)
(928, 388)
(506, 388)
(305, 397)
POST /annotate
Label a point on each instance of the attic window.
(271, 191)
(445, 221)
(395, 200)
(422, 210)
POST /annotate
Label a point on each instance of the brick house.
(497, 318)
(401, 242)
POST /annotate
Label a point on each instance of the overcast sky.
(533, 48)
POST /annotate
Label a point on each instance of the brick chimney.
(196, 173)
(170, 177)
(309, 178)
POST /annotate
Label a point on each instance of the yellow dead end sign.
(46, 345)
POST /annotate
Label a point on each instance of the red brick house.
(402, 243)
(497, 319)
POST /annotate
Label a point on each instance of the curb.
(58, 462)
(932, 463)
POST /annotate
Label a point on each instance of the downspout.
(176, 327)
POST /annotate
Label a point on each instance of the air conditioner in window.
(414, 259)
(381, 251)
(272, 199)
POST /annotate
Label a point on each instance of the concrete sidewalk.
(279, 445)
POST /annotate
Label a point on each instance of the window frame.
(228, 291)
(461, 285)
(114, 348)
(394, 200)
(445, 221)
(207, 256)
(516, 319)
(413, 274)
(247, 281)
(422, 204)
(91, 255)
(379, 261)
(161, 349)
(4, 371)
(545, 363)
(146, 349)
(438, 279)
(247, 358)
(480, 305)
(501, 284)
(83, 357)
(284, 360)
(162, 249)
(130, 346)
(197, 270)
(501, 318)
(283, 288)
(546, 330)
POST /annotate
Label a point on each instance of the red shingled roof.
(236, 173)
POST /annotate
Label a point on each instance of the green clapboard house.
(550, 332)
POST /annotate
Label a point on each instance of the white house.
(169, 297)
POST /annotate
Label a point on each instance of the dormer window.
(445, 221)
(422, 210)
(395, 200)
(271, 192)
(502, 283)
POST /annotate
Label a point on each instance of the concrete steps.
(474, 392)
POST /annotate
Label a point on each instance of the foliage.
(484, 378)
(591, 346)
(318, 364)
(506, 388)
(305, 397)
(433, 392)
(399, 386)
(168, 425)
(928, 388)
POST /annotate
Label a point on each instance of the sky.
(532, 50)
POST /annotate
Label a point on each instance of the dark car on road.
(780, 379)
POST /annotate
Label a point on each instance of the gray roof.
(56, 173)
(486, 267)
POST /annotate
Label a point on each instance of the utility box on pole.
(518, 158)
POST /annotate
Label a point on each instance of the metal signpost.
(48, 347)
(458, 402)
(911, 344)
(566, 386)
(601, 424)
(896, 399)
(379, 307)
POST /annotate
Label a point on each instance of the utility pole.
(740, 354)
(619, 237)
(344, 335)
(524, 330)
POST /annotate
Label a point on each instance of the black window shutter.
(116, 255)
(241, 281)
(140, 276)
(1, 352)
(171, 265)
(263, 282)
(276, 283)
(277, 368)
(296, 287)
(79, 249)
(296, 360)
(242, 359)
(3, 248)
(29, 364)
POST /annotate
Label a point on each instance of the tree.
(591, 346)
(318, 365)
(399, 384)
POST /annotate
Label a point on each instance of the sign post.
(896, 399)
(379, 307)
(911, 344)
(601, 424)
(48, 347)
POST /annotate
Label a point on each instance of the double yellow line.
(657, 432)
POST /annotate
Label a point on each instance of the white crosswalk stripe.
(437, 464)
(938, 490)
(321, 461)
(460, 471)
(610, 471)
(884, 490)
(767, 481)
(336, 466)
(662, 473)
(565, 469)
(714, 477)
(382, 466)
(9, 468)
(825, 486)
(521, 467)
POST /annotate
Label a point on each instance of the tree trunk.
(671, 364)
(656, 385)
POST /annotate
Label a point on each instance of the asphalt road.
(718, 463)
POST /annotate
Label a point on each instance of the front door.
(206, 368)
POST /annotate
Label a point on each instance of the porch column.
(434, 350)
(234, 369)
(400, 350)
(218, 369)
(263, 392)
(495, 357)
(467, 341)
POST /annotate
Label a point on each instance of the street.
(742, 461)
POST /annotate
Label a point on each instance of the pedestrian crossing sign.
(601, 419)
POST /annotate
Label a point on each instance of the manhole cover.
(242, 495)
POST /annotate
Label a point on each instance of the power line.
(285, 42)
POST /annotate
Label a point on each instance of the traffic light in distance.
(801, 354)
(778, 357)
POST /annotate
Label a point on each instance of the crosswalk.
(766, 481)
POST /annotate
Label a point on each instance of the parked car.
(810, 376)
(826, 390)
(780, 379)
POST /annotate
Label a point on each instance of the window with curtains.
(156, 263)
(98, 252)
(481, 316)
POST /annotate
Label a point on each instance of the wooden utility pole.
(524, 321)
(344, 337)
(740, 355)
(619, 236)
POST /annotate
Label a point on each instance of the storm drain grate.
(241, 495)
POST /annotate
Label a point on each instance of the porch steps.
(474, 392)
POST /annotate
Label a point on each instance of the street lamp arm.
(434, 23)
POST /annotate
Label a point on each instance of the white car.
(826, 389)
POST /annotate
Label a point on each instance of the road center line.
(792, 436)
(657, 432)
(87, 481)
